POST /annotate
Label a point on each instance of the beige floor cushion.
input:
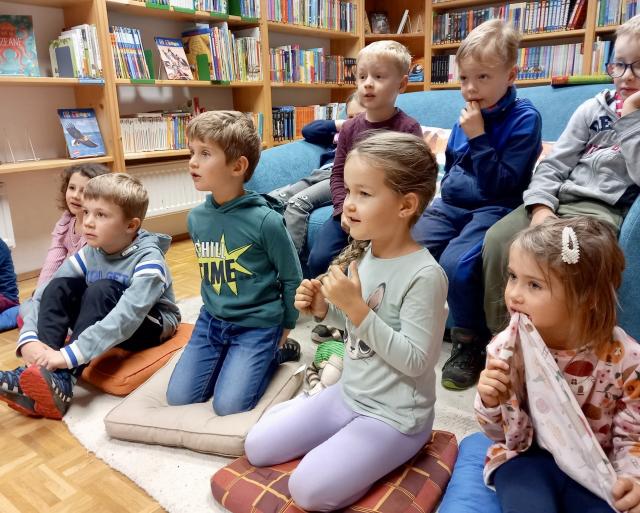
(144, 416)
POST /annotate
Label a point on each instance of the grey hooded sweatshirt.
(597, 157)
(141, 268)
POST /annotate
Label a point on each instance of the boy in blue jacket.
(249, 268)
(313, 191)
(117, 290)
(490, 156)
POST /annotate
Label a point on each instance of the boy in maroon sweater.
(381, 74)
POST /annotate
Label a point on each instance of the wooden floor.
(42, 467)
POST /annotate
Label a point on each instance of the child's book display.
(17, 46)
(173, 58)
(81, 133)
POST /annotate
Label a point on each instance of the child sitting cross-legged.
(563, 275)
(249, 268)
(389, 293)
(116, 291)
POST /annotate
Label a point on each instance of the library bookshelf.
(113, 97)
(109, 97)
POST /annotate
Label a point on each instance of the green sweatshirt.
(249, 266)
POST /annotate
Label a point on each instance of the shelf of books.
(303, 30)
(48, 81)
(185, 83)
(39, 165)
(158, 154)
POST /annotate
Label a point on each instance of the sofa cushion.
(467, 492)
(120, 372)
(146, 417)
(415, 487)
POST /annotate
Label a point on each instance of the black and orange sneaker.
(51, 391)
(11, 393)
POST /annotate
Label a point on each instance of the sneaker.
(51, 391)
(322, 333)
(289, 352)
(12, 394)
(467, 360)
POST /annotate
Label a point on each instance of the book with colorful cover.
(81, 133)
(173, 58)
(18, 46)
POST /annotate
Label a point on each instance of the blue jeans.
(331, 239)
(232, 363)
(532, 482)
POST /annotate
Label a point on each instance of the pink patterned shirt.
(606, 385)
(64, 243)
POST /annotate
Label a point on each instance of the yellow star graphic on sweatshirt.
(218, 265)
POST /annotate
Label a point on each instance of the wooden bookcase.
(420, 44)
(109, 99)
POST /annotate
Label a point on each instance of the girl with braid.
(389, 294)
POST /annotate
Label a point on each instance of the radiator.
(6, 227)
(169, 185)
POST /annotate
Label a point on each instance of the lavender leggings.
(344, 452)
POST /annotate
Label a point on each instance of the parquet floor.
(43, 469)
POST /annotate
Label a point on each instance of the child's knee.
(223, 405)
(256, 448)
(179, 395)
(311, 494)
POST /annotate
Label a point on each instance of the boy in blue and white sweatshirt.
(489, 160)
(116, 291)
(249, 268)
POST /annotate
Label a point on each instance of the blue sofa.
(288, 163)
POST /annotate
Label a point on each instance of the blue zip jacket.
(495, 168)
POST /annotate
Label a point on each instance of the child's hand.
(631, 104)
(540, 213)
(494, 382)
(309, 299)
(32, 350)
(345, 292)
(471, 120)
(51, 360)
(626, 493)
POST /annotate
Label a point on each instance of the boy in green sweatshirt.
(249, 268)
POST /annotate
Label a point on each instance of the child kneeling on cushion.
(249, 268)
(392, 305)
(116, 291)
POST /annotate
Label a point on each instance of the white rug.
(179, 479)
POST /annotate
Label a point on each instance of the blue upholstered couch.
(288, 163)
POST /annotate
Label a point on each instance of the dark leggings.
(71, 304)
(533, 483)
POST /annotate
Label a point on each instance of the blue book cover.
(81, 133)
(18, 46)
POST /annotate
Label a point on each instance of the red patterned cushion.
(415, 487)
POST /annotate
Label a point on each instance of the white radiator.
(6, 227)
(169, 185)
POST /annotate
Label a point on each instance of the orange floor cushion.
(415, 487)
(120, 372)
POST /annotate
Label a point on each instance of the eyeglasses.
(617, 69)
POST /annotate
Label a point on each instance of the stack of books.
(292, 64)
(76, 53)
(154, 131)
(615, 12)
(324, 14)
(288, 120)
(128, 53)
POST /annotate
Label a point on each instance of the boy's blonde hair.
(590, 284)
(491, 40)
(233, 131)
(409, 167)
(123, 190)
(391, 50)
(630, 28)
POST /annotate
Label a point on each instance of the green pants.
(495, 253)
